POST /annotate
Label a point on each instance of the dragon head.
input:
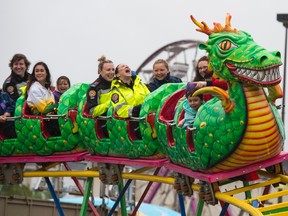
(235, 57)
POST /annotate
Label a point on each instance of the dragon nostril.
(263, 58)
(277, 54)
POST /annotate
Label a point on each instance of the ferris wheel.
(181, 56)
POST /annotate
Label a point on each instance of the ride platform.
(215, 177)
(159, 162)
(71, 157)
(237, 188)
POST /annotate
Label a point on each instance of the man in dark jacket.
(18, 78)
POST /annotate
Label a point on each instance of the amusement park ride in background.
(180, 55)
(233, 149)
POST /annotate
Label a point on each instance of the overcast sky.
(70, 35)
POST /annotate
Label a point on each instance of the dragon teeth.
(260, 75)
(263, 76)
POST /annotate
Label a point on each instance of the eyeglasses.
(203, 68)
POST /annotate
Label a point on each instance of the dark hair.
(102, 60)
(190, 89)
(116, 69)
(63, 78)
(18, 57)
(198, 77)
(32, 78)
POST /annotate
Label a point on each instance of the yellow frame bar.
(222, 196)
(240, 204)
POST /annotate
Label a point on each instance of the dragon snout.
(267, 58)
(276, 54)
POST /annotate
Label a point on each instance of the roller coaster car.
(93, 130)
(32, 135)
(99, 122)
(167, 112)
(7, 146)
(123, 139)
(119, 140)
(175, 140)
(26, 113)
(188, 132)
(2, 135)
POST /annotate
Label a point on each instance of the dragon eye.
(226, 45)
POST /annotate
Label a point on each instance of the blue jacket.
(7, 104)
(189, 116)
(155, 83)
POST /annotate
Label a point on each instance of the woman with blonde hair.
(161, 75)
(99, 94)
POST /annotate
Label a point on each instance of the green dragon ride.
(236, 128)
(240, 126)
(121, 140)
(33, 139)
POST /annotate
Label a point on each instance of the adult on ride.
(161, 75)
(128, 92)
(99, 92)
(40, 98)
(19, 76)
(204, 77)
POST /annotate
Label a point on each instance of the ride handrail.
(53, 116)
(191, 128)
(170, 123)
(13, 118)
(103, 117)
(137, 118)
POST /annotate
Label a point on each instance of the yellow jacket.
(99, 97)
(125, 97)
(103, 105)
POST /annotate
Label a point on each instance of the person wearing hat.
(190, 106)
(128, 92)
(99, 94)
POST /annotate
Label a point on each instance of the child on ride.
(62, 84)
(190, 106)
(161, 75)
(7, 107)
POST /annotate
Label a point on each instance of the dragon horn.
(228, 19)
(228, 23)
(203, 27)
